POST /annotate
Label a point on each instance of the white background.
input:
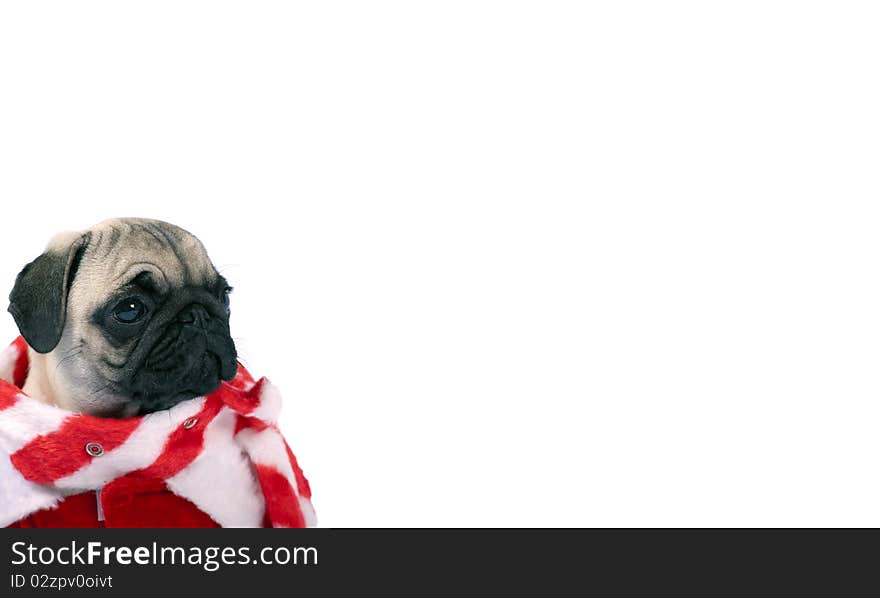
(511, 263)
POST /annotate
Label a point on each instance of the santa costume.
(215, 461)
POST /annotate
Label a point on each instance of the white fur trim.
(25, 420)
(270, 404)
(220, 481)
(140, 449)
(8, 359)
(267, 448)
(21, 497)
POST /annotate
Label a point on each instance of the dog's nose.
(194, 314)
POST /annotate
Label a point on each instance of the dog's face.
(132, 314)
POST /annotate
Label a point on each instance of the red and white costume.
(215, 461)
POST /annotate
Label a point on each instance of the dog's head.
(132, 314)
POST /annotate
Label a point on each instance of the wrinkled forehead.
(121, 250)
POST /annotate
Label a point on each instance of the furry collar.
(228, 440)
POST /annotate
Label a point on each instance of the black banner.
(550, 562)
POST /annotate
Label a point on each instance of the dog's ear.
(38, 301)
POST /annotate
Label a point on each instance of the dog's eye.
(129, 311)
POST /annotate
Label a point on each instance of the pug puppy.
(126, 318)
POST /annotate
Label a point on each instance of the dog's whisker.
(66, 358)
